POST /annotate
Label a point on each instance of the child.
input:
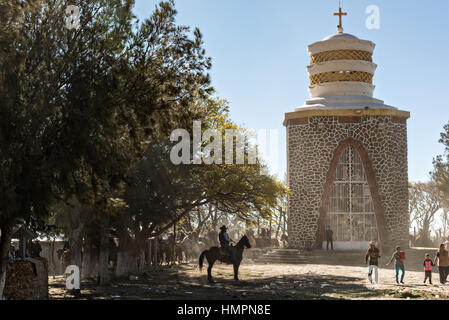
(398, 257)
(428, 263)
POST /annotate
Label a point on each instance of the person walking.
(443, 263)
(329, 234)
(428, 263)
(398, 257)
(372, 256)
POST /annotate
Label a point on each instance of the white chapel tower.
(346, 152)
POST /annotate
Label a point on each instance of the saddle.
(225, 252)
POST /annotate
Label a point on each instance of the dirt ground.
(328, 279)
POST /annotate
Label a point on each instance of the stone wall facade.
(314, 146)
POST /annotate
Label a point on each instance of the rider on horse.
(224, 239)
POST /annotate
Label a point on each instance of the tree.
(25, 187)
(80, 105)
(440, 173)
(160, 193)
(445, 221)
(424, 203)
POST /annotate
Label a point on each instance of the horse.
(214, 254)
(191, 247)
(64, 255)
(275, 243)
(262, 242)
(166, 248)
(211, 238)
(252, 241)
(284, 239)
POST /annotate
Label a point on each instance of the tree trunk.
(142, 260)
(278, 227)
(270, 224)
(103, 264)
(426, 233)
(90, 261)
(150, 252)
(126, 260)
(189, 223)
(5, 242)
(126, 263)
(75, 240)
(52, 258)
(444, 222)
(87, 260)
(214, 216)
(156, 252)
(284, 215)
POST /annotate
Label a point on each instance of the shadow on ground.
(270, 281)
(184, 282)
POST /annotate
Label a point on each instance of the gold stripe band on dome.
(341, 55)
(335, 76)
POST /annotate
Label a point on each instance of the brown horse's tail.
(201, 259)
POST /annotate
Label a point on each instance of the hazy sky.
(259, 56)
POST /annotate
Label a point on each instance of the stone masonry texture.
(311, 145)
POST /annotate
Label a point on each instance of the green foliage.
(440, 173)
(79, 106)
(160, 193)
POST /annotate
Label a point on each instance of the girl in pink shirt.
(428, 263)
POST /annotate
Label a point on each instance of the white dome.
(341, 41)
(341, 73)
(340, 36)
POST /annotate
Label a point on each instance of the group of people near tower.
(373, 255)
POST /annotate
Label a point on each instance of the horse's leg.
(236, 271)
(209, 270)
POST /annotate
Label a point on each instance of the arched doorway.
(350, 212)
(351, 205)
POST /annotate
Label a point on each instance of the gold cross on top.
(340, 14)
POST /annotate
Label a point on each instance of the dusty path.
(319, 275)
(259, 281)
